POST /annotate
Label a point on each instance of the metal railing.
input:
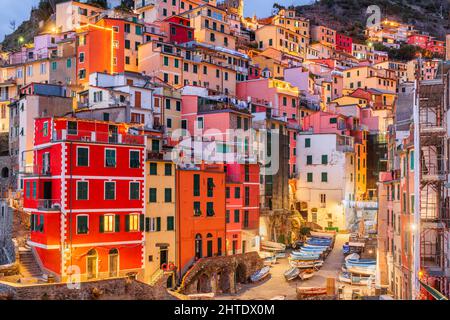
(49, 204)
(96, 136)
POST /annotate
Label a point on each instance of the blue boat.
(259, 275)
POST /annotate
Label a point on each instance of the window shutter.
(127, 223)
(141, 222)
(32, 222)
(158, 224)
(102, 223)
(117, 223)
(147, 224)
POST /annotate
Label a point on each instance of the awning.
(436, 294)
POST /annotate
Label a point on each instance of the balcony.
(34, 170)
(97, 137)
(49, 204)
(144, 3)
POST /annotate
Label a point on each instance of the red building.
(85, 197)
(242, 207)
(344, 43)
(436, 46)
(177, 29)
(200, 214)
(419, 40)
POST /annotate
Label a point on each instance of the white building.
(326, 164)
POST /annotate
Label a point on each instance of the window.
(27, 187)
(324, 177)
(155, 145)
(333, 120)
(134, 159)
(227, 216)
(82, 157)
(82, 224)
(110, 190)
(134, 190)
(82, 190)
(196, 185)
(45, 129)
(107, 223)
(72, 127)
(237, 193)
(324, 159)
(34, 189)
(166, 61)
(307, 143)
(323, 198)
(411, 160)
(110, 158)
(210, 190)
(210, 209)
(247, 196)
(236, 216)
(153, 169)
(152, 195)
(178, 105)
(134, 222)
(197, 210)
(308, 160)
(168, 169)
(170, 223)
(309, 177)
(227, 192)
(199, 123)
(167, 195)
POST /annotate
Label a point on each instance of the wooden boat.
(361, 261)
(305, 257)
(352, 256)
(354, 280)
(322, 234)
(261, 274)
(306, 274)
(301, 264)
(270, 260)
(265, 254)
(291, 274)
(362, 271)
(304, 292)
(318, 264)
(272, 246)
(307, 245)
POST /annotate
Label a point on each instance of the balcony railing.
(99, 137)
(49, 204)
(37, 170)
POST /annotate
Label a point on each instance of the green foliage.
(304, 231)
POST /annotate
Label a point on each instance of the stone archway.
(241, 273)
(203, 284)
(225, 281)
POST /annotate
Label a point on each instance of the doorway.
(163, 257)
(113, 261)
(47, 196)
(92, 264)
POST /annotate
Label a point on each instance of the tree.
(12, 25)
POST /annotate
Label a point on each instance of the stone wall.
(7, 251)
(220, 274)
(110, 289)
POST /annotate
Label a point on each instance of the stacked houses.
(147, 141)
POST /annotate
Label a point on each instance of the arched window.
(113, 262)
(209, 235)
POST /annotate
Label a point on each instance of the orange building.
(200, 214)
(110, 45)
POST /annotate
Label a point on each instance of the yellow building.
(367, 77)
(281, 39)
(288, 19)
(159, 213)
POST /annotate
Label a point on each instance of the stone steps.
(29, 268)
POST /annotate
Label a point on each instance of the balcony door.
(47, 196)
(113, 263)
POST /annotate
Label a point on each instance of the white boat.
(301, 264)
(280, 255)
(265, 254)
(291, 273)
(306, 274)
(278, 298)
(354, 280)
(352, 256)
(272, 246)
(261, 274)
(270, 260)
(362, 271)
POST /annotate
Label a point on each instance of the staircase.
(29, 268)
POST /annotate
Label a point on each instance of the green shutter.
(147, 224)
(117, 223)
(127, 223)
(32, 222)
(102, 223)
(170, 223)
(158, 224)
(141, 222)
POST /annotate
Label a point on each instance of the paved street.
(276, 285)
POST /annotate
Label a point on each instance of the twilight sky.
(19, 10)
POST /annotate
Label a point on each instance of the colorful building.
(85, 198)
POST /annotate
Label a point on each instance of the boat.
(307, 245)
(354, 280)
(306, 274)
(265, 254)
(304, 292)
(361, 261)
(291, 273)
(322, 234)
(270, 260)
(318, 264)
(305, 258)
(280, 255)
(272, 246)
(306, 253)
(261, 274)
(301, 264)
(310, 249)
(278, 298)
(352, 256)
(362, 271)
